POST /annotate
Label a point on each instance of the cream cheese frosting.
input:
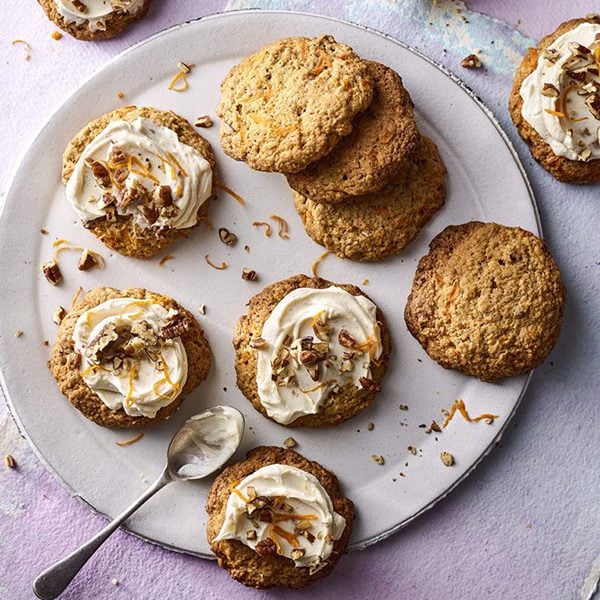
(288, 506)
(95, 12)
(561, 98)
(313, 343)
(140, 168)
(126, 359)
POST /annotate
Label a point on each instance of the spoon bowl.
(205, 443)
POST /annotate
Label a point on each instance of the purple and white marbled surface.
(524, 525)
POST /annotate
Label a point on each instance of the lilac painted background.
(524, 525)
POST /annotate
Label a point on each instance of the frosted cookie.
(310, 352)
(384, 137)
(278, 519)
(288, 104)
(376, 225)
(139, 178)
(487, 300)
(127, 358)
(555, 101)
(93, 20)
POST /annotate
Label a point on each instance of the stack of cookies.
(343, 132)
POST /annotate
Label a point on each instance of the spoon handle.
(54, 580)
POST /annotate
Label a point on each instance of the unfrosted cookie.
(555, 101)
(263, 559)
(487, 300)
(289, 104)
(311, 352)
(384, 137)
(139, 178)
(376, 225)
(93, 20)
(143, 344)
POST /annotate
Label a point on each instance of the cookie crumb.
(378, 459)
(43, 231)
(56, 35)
(10, 462)
(115, 581)
(447, 459)
(290, 442)
(370, 426)
(365, 282)
(120, 95)
(202, 309)
(18, 333)
(403, 407)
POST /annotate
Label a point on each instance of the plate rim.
(358, 546)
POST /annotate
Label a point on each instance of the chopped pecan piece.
(345, 339)
(257, 342)
(79, 6)
(308, 357)
(149, 212)
(105, 201)
(227, 237)
(266, 547)
(593, 104)
(59, 314)
(52, 272)
(99, 172)
(204, 121)
(369, 384)
(175, 327)
(163, 196)
(306, 343)
(550, 90)
(117, 156)
(87, 261)
(471, 62)
(297, 553)
(249, 274)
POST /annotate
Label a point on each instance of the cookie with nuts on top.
(94, 20)
(139, 178)
(278, 519)
(127, 358)
(555, 101)
(380, 224)
(384, 137)
(487, 300)
(289, 103)
(310, 352)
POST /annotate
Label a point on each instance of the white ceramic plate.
(485, 182)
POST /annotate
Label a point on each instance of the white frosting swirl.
(574, 135)
(96, 12)
(292, 319)
(143, 387)
(167, 160)
(304, 495)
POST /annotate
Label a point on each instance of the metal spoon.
(202, 446)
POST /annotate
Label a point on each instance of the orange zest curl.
(220, 267)
(133, 440)
(283, 227)
(315, 265)
(459, 406)
(229, 191)
(263, 224)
